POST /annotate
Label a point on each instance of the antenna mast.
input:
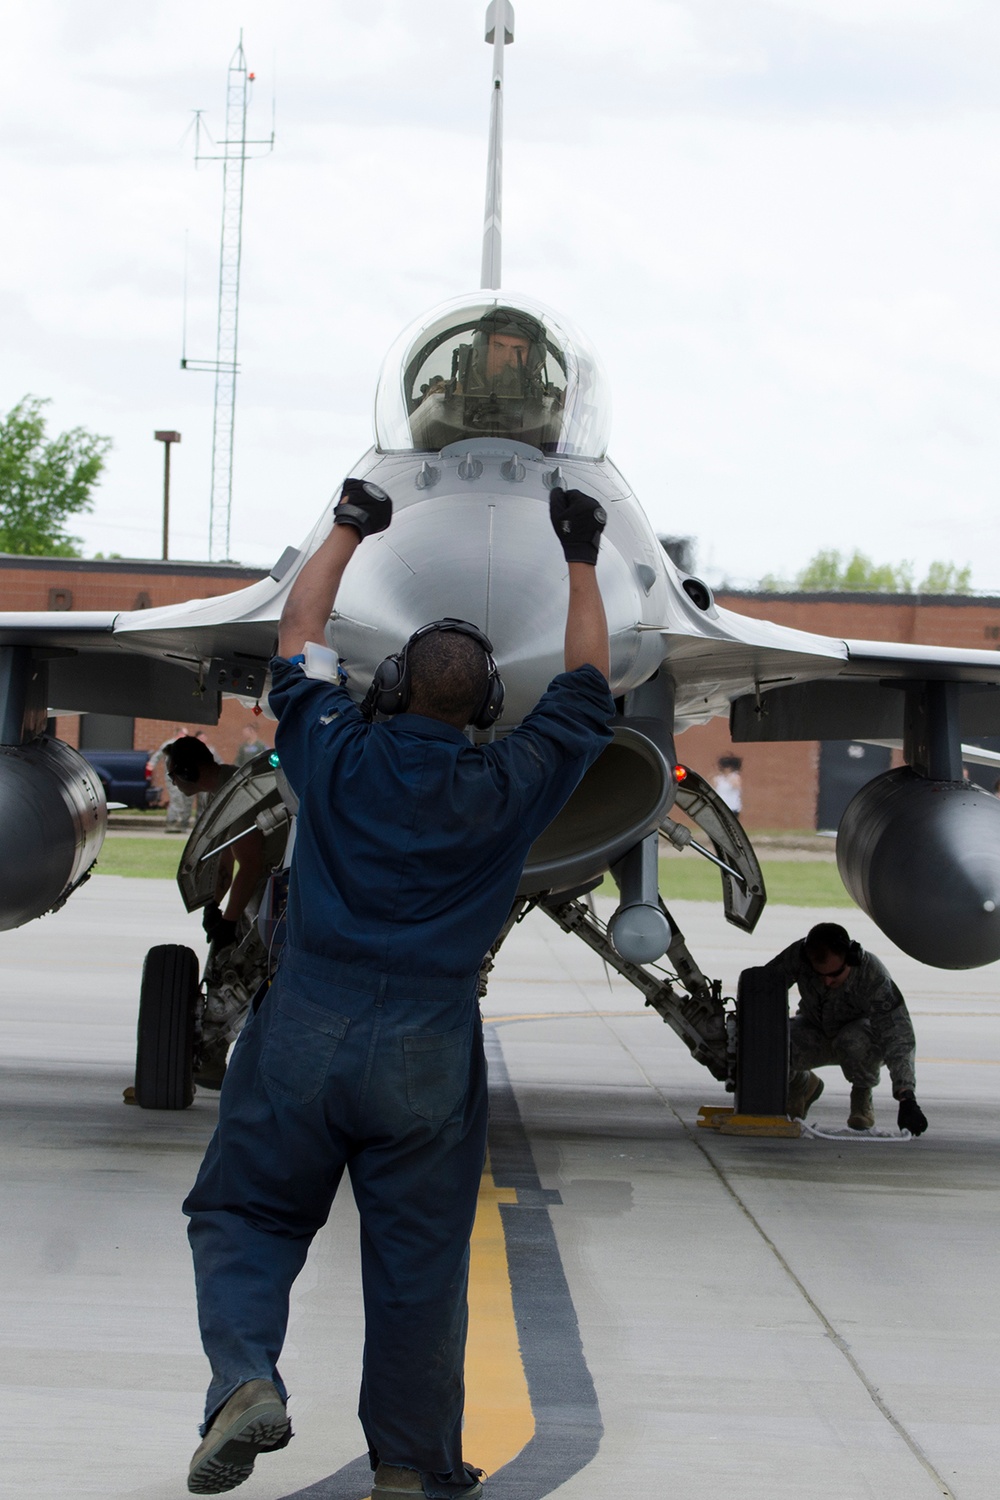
(225, 366)
(500, 36)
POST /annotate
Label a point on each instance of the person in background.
(202, 799)
(251, 745)
(192, 767)
(728, 782)
(180, 808)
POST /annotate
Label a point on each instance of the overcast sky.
(779, 223)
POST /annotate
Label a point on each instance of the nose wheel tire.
(168, 1003)
(761, 1044)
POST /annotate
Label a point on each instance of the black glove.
(363, 506)
(220, 933)
(224, 935)
(578, 521)
(911, 1117)
(210, 917)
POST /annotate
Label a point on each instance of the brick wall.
(76, 583)
(35, 583)
(781, 781)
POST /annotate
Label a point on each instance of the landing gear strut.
(747, 1047)
(695, 1012)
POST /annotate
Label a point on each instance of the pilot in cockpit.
(499, 385)
(486, 367)
(506, 360)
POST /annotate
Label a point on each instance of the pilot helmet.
(506, 356)
(499, 382)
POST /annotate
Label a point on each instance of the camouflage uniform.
(859, 1024)
(179, 808)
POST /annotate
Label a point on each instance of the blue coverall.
(367, 1051)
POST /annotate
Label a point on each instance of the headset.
(391, 685)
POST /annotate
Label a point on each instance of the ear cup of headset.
(855, 954)
(390, 689)
(492, 705)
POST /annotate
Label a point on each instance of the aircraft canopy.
(489, 365)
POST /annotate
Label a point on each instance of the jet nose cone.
(493, 560)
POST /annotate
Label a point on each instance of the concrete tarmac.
(697, 1314)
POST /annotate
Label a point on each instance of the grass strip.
(140, 857)
(788, 882)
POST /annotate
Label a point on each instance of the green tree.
(946, 578)
(44, 481)
(831, 571)
(823, 573)
(857, 573)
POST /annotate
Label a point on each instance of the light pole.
(166, 438)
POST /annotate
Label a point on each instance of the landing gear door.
(743, 901)
(251, 799)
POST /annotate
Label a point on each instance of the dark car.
(126, 776)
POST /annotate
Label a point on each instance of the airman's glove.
(578, 521)
(224, 936)
(220, 932)
(363, 506)
(210, 915)
(911, 1117)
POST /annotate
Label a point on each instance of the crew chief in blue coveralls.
(367, 1050)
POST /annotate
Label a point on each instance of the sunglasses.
(832, 973)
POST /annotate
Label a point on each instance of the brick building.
(782, 782)
(45, 583)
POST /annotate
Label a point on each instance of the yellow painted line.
(498, 1416)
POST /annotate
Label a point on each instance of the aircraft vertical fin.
(499, 36)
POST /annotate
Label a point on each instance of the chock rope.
(878, 1137)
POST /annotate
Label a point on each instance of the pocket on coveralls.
(300, 1044)
(437, 1072)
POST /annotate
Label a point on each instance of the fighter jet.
(482, 406)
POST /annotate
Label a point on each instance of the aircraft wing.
(168, 663)
(776, 683)
(772, 681)
(57, 627)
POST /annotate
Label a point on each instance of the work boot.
(395, 1483)
(862, 1116)
(803, 1090)
(252, 1421)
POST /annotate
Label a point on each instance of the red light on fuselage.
(680, 773)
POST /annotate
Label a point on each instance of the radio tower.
(234, 157)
